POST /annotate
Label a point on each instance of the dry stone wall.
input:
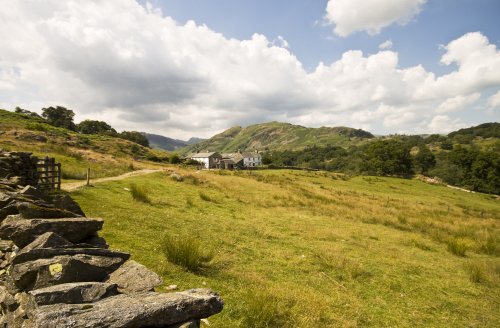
(55, 270)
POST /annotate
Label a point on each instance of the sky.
(186, 68)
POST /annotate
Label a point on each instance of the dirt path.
(72, 186)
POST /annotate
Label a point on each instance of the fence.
(49, 174)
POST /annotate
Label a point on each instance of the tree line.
(64, 118)
(465, 165)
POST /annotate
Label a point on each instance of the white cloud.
(444, 124)
(385, 45)
(494, 102)
(457, 103)
(138, 69)
(372, 16)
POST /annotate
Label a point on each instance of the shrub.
(208, 198)
(139, 194)
(263, 309)
(476, 272)
(186, 251)
(457, 247)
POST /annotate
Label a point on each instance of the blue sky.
(301, 23)
(195, 68)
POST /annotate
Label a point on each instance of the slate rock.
(72, 293)
(47, 240)
(45, 253)
(133, 277)
(33, 192)
(60, 270)
(24, 231)
(67, 203)
(32, 211)
(130, 310)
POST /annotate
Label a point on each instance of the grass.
(457, 247)
(106, 156)
(139, 194)
(186, 251)
(359, 252)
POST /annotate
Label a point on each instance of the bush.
(186, 251)
(139, 194)
(263, 309)
(477, 271)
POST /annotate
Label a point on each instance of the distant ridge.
(279, 136)
(161, 142)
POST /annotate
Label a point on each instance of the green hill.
(278, 136)
(486, 130)
(161, 142)
(105, 155)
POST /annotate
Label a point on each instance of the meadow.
(313, 249)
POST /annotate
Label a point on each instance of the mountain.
(278, 136)
(194, 140)
(160, 142)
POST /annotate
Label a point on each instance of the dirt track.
(72, 186)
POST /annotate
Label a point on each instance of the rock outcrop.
(55, 270)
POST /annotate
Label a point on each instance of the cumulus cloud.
(385, 45)
(372, 16)
(457, 103)
(137, 68)
(494, 102)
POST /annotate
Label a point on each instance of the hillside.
(486, 130)
(278, 136)
(316, 249)
(161, 142)
(105, 155)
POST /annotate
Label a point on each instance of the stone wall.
(55, 271)
(18, 168)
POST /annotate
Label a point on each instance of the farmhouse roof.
(203, 155)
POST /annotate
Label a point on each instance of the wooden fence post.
(88, 176)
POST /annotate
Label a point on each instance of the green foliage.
(447, 145)
(95, 127)
(59, 116)
(470, 167)
(386, 158)
(486, 130)
(186, 251)
(424, 160)
(20, 110)
(139, 194)
(175, 159)
(135, 136)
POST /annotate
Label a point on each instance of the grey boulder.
(133, 277)
(130, 310)
(24, 231)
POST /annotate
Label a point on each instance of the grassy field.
(315, 249)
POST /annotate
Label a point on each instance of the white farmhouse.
(208, 160)
(251, 159)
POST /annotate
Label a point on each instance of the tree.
(175, 159)
(59, 116)
(387, 157)
(20, 110)
(136, 137)
(424, 160)
(95, 127)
